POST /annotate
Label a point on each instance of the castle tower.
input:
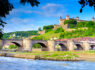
(93, 19)
(77, 18)
(60, 18)
(61, 21)
(67, 17)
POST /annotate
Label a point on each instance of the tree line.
(19, 34)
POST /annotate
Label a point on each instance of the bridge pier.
(51, 45)
(70, 45)
(27, 45)
(86, 45)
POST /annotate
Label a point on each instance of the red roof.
(78, 39)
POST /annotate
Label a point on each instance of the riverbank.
(56, 56)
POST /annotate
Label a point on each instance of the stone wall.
(68, 29)
(41, 32)
(56, 26)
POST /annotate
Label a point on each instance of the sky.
(24, 18)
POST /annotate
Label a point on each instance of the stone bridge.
(50, 45)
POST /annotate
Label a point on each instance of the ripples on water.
(7, 63)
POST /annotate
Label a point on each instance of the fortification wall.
(41, 32)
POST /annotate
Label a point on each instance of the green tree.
(48, 27)
(90, 24)
(86, 24)
(82, 24)
(39, 29)
(72, 23)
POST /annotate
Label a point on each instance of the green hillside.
(19, 34)
(50, 34)
(79, 32)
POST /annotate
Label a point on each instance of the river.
(7, 63)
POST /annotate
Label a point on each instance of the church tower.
(61, 22)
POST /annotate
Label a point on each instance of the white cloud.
(19, 20)
(48, 10)
(51, 5)
(52, 9)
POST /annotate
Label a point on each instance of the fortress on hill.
(66, 26)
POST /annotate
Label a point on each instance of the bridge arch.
(78, 47)
(61, 47)
(19, 46)
(92, 47)
(44, 47)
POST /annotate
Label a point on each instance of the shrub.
(39, 29)
(85, 24)
(72, 23)
(36, 46)
(59, 30)
(48, 30)
(48, 27)
(39, 38)
(13, 47)
(61, 35)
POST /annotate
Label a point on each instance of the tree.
(72, 23)
(1, 34)
(6, 7)
(39, 29)
(83, 3)
(48, 27)
(1, 27)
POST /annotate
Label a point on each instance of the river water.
(7, 63)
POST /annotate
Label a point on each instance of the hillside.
(19, 34)
(50, 34)
(73, 34)
(78, 32)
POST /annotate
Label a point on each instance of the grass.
(57, 55)
(48, 35)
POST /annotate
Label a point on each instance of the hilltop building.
(66, 26)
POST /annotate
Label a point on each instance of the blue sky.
(23, 18)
